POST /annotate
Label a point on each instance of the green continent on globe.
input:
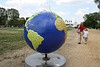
(60, 25)
(56, 15)
(35, 39)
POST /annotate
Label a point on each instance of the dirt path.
(81, 55)
(77, 55)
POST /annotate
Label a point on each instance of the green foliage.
(13, 22)
(3, 16)
(91, 20)
(98, 3)
(17, 22)
(13, 18)
(22, 21)
(98, 25)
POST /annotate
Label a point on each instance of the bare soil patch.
(7, 31)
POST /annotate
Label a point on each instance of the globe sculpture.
(45, 32)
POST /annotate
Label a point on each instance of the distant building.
(70, 24)
(6, 15)
(12, 13)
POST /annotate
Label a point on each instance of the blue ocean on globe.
(45, 32)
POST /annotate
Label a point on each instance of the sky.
(70, 10)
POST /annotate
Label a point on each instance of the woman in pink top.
(81, 27)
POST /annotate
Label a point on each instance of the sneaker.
(79, 42)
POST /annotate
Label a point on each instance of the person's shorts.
(85, 37)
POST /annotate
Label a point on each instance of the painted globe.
(45, 32)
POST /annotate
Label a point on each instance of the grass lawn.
(69, 29)
(11, 39)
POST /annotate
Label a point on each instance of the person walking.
(81, 27)
(85, 33)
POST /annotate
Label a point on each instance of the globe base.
(36, 60)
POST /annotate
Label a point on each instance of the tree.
(13, 22)
(13, 16)
(3, 16)
(98, 3)
(21, 21)
(91, 20)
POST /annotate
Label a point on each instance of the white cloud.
(82, 11)
(26, 8)
(3, 6)
(61, 13)
(24, 3)
(30, 12)
(95, 11)
(27, 13)
(72, 2)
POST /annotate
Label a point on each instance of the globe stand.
(46, 58)
(50, 60)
